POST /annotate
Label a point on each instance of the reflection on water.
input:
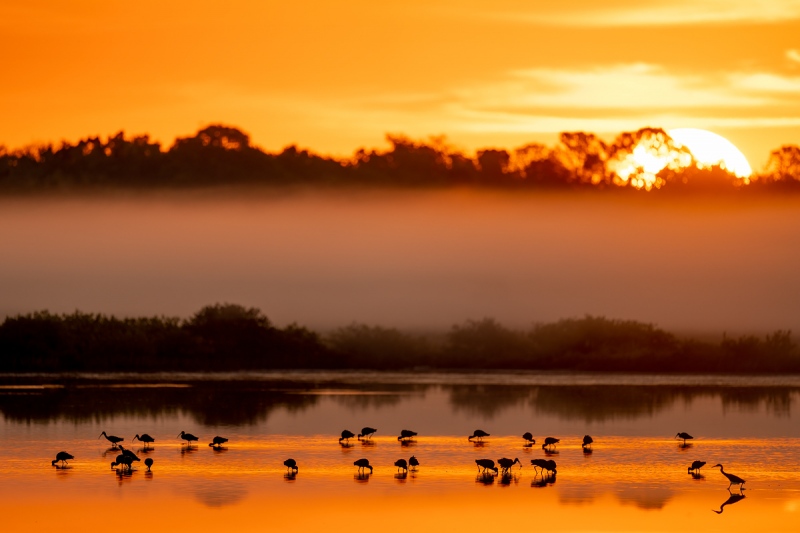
(635, 473)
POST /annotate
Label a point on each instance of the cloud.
(677, 12)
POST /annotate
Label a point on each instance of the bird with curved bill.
(188, 437)
(685, 436)
(695, 467)
(363, 464)
(62, 457)
(113, 439)
(486, 464)
(478, 434)
(367, 433)
(144, 438)
(550, 443)
(346, 435)
(218, 441)
(734, 479)
(528, 438)
(506, 463)
(406, 434)
(401, 464)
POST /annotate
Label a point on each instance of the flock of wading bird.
(546, 468)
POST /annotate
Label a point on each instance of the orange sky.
(333, 78)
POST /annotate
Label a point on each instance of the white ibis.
(406, 434)
(401, 463)
(188, 437)
(291, 464)
(63, 457)
(550, 442)
(148, 462)
(367, 432)
(506, 463)
(347, 435)
(486, 464)
(478, 434)
(413, 462)
(113, 439)
(145, 438)
(362, 464)
(696, 466)
(528, 437)
(735, 480)
(683, 435)
(218, 441)
(587, 441)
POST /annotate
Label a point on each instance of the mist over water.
(410, 259)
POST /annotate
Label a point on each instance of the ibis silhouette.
(506, 463)
(362, 464)
(63, 457)
(696, 466)
(683, 435)
(145, 438)
(218, 441)
(291, 464)
(148, 463)
(406, 434)
(528, 437)
(413, 462)
(347, 435)
(124, 460)
(188, 437)
(128, 453)
(367, 432)
(550, 442)
(587, 441)
(735, 480)
(478, 434)
(401, 463)
(113, 439)
(486, 464)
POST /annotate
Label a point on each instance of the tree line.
(228, 337)
(223, 155)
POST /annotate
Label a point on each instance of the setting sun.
(710, 149)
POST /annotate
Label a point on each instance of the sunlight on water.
(634, 479)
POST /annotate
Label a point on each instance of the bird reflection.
(401, 476)
(185, 450)
(485, 478)
(730, 501)
(361, 477)
(345, 445)
(587, 452)
(146, 450)
(219, 449)
(408, 443)
(548, 452)
(113, 451)
(290, 476)
(507, 478)
(697, 475)
(684, 446)
(367, 442)
(479, 443)
(543, 481)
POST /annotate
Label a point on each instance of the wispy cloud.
(661, 13)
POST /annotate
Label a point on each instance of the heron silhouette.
(683, 435)
(145, 438)
(550, 443)
(735, 480)
(113, 439)
(188, 437)
(730, 501)
(362, 464)
(406, 434)
(696, 466)
(528, 437)
(486, 464)
(63, 457)
(218, 441)
(347, 435)
(413, 462)
(401, 463)
(506, 463)
(291, 464)
(478, 434)
(148, 463)
(367, 432)
(587, 441)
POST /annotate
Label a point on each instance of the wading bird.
(735, 480)
(145, 438)
(538, 464)
(63, 457)
(291, 464)
(413, 463)
(218, 441)
(406, 434)
(129, 453)
(486, 464)
(506, 463)
(696, 466)
(478, 434)
(550, 442)
(401, 463)
(367, 432)
(148, 463)
(550, 466)
(528, 437)
(113, 439)
(587, 441)
(362, 464)
(683, 435)
(188, 437)
(124, 460)
(347, 435)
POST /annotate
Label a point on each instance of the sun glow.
(710, 149)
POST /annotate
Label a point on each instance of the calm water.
(634, 480)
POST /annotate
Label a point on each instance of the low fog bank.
(411, 260)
